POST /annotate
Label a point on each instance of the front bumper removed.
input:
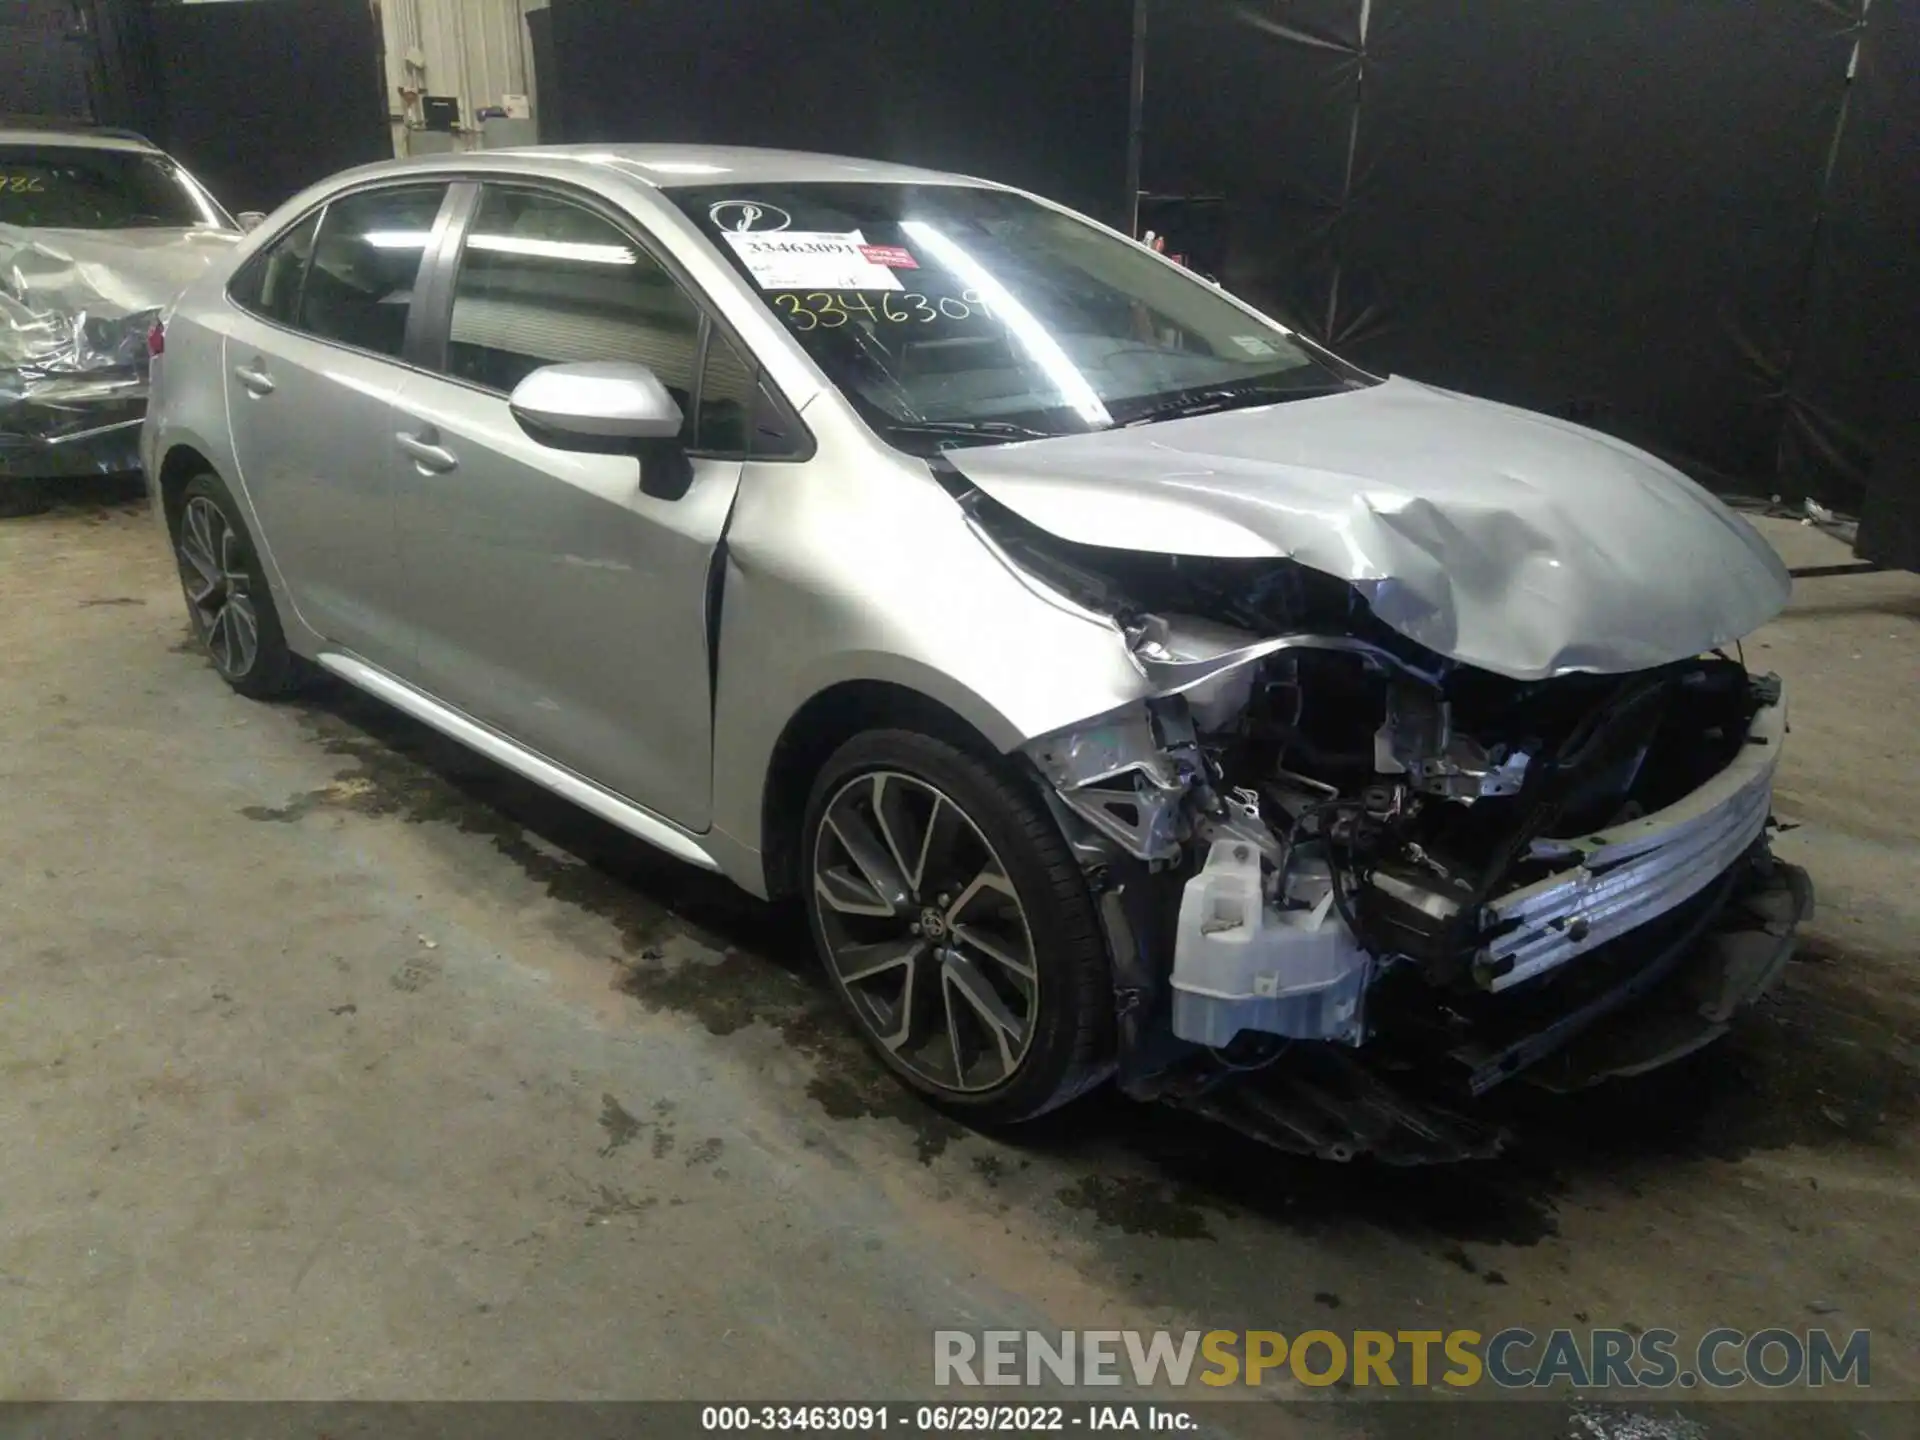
(1652, 997)
(1243, 964)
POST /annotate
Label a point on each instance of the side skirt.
(577, 789)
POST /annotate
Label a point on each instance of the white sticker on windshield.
(810, 260)
(1254, 345)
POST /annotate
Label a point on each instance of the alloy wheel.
(925, 932)
(219, 589)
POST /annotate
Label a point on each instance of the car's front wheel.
(957, 927)
(228, 602)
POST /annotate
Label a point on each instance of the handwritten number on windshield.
(824, 310)
(797, 312)
(919, 310)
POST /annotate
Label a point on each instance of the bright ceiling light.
(554, 249)
(511, 245)
(396, 239)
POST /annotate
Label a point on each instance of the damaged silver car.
(99, 230)
(1129, 689)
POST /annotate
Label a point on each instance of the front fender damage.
(1350, 886)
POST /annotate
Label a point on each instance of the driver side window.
(544, 281)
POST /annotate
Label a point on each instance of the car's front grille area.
(1630, 874)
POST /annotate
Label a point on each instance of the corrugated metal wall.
(473, 49)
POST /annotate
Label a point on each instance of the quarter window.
(543, 281)
(270, 284)
(728, 389)
(359, 285)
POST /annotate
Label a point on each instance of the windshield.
(952, 314)
(85, 188)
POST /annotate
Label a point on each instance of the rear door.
(312, 368)
(562, 597)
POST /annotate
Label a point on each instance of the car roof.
(78, 138)
(672, 166)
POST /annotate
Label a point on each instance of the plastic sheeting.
(75, 310)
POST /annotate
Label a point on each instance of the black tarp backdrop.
(549, 108)
(1030, 94)
(1854, 416)
(45, 58)
(1597, 208)
(1254, 103)
(125, 78)
(263, 98)
(1890, 522)
(1678, 222)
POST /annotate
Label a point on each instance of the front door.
(561, 597)
(312, 368)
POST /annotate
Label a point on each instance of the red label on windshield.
(893, 256)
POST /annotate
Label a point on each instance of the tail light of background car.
(156, 340)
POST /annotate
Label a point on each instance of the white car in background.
(99, 230)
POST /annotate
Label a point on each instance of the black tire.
(20, 497)
(1068, 1037)
(264, 669)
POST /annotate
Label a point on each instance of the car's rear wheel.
(228, 603)
(957, 927)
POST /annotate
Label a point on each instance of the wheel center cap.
(933, 924)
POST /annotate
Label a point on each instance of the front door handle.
(257, 381)
(426, 455)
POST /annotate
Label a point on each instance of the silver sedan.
(1129, 688)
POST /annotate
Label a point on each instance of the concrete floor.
(337, 1062)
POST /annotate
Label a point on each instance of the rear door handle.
(426, 455)
(257, 382)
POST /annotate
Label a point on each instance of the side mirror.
(251, 219)
(600, 405)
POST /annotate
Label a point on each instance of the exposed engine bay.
(1344, 842)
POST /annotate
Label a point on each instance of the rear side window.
(543, 281)
(359, 283)
(269, 284)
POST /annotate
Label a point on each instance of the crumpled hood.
(128, 270)
(1493, 536)
(78, 302)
